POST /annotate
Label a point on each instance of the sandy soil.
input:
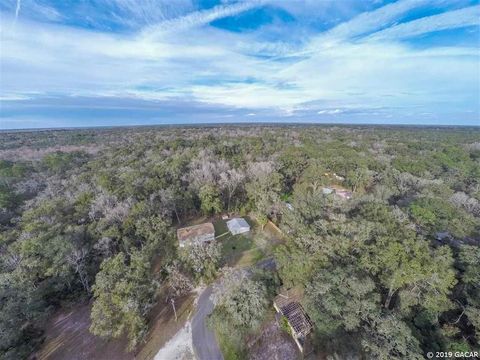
(179, 347)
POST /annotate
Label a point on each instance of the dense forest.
(391, 273)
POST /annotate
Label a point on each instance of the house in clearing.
(201, 233)
(287, 303)
(327, 191)
(338, 191)
(238, 226)
(345, 194)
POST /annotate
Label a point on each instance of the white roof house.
(327, 191)
(238, 226)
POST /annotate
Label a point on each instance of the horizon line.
(232, 124)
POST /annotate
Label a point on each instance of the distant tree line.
(393, 272)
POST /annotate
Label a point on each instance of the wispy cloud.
(469, 16)
(371, 21)
(176, 55)
(201, 17)
(17, 9)
(330, 111)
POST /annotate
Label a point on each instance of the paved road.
(204, 343)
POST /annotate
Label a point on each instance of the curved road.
(204, 342)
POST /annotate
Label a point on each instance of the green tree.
(210, 199)
(469, 257)
(405, 262)
(386, 337)
(241, 300)
(123, 293)
(340, 297)
(202, 259)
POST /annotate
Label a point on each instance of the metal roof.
(237, 223)
(289, 306)
(192, 232)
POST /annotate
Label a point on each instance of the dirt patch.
(67, 337)
(163, 326)
(273, 344)
(179, 347)
(273, 233)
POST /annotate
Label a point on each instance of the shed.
(327, 191)
(288, 304)
(201, 233)
(238, 226)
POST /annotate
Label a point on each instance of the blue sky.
(130, 62)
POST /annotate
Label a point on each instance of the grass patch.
(249, 257)
(220, 227)
(230, 350)
(241, 249)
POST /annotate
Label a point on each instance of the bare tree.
(206, 170)
(178, 283)
(470, 204)
(169, 201)
(77, 259)
(230, 181)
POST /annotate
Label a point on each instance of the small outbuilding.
(201, 233)
(238, 226)
(327, 191)
(287, 303)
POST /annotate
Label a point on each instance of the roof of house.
(192, 232)
(289, 304)
(237, 223)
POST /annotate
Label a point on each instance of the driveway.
(204, 342)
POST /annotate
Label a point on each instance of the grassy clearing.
(220, 227)
(249, 257)
(244, 249)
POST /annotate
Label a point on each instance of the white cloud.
(212, 66)
(368, 22)
(330, 111)
(469, 16)
(199, 18)
(17, 9)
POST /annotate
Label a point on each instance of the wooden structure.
(201, 233)
(287, 303)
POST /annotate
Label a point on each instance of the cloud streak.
(465, 17)
(363, 64)
(201, 17)
(17, 9)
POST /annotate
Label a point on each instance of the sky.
(75, 63)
